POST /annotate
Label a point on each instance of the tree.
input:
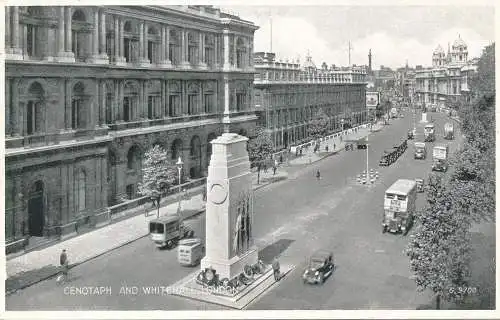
(260, 149)
(439, 248)
(158, 175)
(318, 126)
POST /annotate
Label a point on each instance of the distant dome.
(459, 43)
(439, 49)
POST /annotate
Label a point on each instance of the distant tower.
(370, 61)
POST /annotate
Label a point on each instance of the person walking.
(318, 175)
(276, 269)
(63, 262)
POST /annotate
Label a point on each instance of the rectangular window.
(127, 46)
(30, 41)
(192, 104)
(75, 107)
(109, 105)
(110, 43)
(173, 105)
(126, 109)
(171, 53)
(208, 103)
(151, 112)
(208, 57)
(151, 52)
(30, 116)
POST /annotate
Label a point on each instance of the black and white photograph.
(238, 157)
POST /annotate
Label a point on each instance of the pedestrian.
(300, 151)
(318, 175)
(276, 269)
(205, 194)
(274, 170)
(340, 138)
(326, 148)
(281, 158)
(63, 262)
(334, 146)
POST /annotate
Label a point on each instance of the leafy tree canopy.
(157, 172)
(260, 147)
(318, 126)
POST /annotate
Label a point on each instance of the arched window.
(81, 195)
(80, 33)
(176, 149)
(130, 42)
(193, 99)
(34, 109)
(78, 107)
(130, 101)
(174, 101)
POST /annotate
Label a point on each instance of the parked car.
(320, 267)
(420, 185)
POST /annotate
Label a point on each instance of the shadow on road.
(25, 279)
(273, 250)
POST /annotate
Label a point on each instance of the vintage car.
(320, 267)
(385, 160)
(410, 134)
(420, 185)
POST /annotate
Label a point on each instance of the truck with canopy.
(440, 156)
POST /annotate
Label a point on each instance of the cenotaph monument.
(229, 208)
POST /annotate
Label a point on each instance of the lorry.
(394, 113)
(420, 150)
(439, 156)
(190, 252)
(448, 131)
(399, 206)
(429, 132)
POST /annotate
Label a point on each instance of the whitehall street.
(292, 219)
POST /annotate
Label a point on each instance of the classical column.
(60, 32)
(8, 107)
(167, 44)
(146, 47)
(68, 31)
(102, 45)
(8, 35)
(227, 65)
(163, 99)
(184, 50)
(201, 49)
(235, 64)
(95, 36)
(141, 40)
(15, 52)
(216, 50)
(164, 58)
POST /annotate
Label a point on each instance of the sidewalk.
(309, 156)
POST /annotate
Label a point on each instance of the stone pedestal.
(166, 64)
(65, 57)
(144, 63)
(120, 61)
(229, 208)
(13, 54)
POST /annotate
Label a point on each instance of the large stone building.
(446, 82)
(288, 95)
(90, 89)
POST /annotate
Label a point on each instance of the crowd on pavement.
(38, 265)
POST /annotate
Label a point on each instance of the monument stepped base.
(189, 288)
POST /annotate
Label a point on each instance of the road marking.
(380, 251)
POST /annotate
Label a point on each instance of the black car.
(320, 267)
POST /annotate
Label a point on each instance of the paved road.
(334, 213)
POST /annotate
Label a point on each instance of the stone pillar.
(184, 50)
(229, 201)
(8, 106)
(201, 49)
(68, 31)
(226, 119)
(102, 23)
(8, 35)
(63, 34)
(216, 51)
(163, 113)
(226, 48)
(95, 36)
(15, 52)
(119, 59)
(235, 64)
(143, 38)
(164, 54)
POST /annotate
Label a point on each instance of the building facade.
(90, 89)
(288, 95)
(447, 81)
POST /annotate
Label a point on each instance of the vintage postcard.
(275, 160)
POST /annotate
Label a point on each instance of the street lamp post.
(179, 168)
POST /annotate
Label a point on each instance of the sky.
(395, 34)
